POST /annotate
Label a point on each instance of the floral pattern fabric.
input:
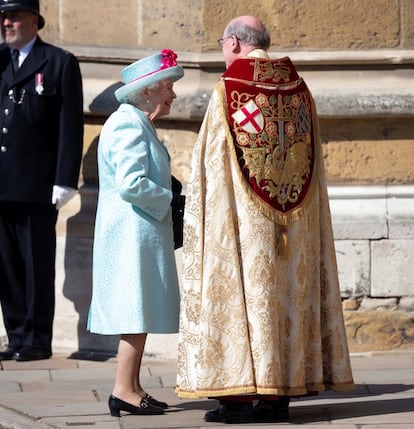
(251, 320)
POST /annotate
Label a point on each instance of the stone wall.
(195, 25)
(357, 57)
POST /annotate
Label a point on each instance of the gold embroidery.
(276, 325)
(239, 99)
(280, 157)
(192, 306)
(270, 71)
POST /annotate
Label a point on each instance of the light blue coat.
(135, 284)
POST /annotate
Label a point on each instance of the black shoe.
(231, 412)
(153, 401)
(272, 411)
(145, 408)
(8, 352)
(29, 353)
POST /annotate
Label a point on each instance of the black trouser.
(27, 272)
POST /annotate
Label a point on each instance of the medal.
(39, 83)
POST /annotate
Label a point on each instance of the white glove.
(61, 195)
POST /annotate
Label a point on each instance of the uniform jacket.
(41, 131)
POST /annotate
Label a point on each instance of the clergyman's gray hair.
(249, 35)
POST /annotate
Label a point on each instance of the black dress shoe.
(145, 408)
(29, 353)
(8, 352)
(272, 411)
(153, 401)
(231, 412)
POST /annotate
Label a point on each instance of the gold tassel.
(283, 242)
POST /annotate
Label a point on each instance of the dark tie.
(15, 60)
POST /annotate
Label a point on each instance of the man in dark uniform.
(41, 135)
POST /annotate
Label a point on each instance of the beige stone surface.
(379, 330)
(188, 25)
(370, 162)
(350, 305)
(314, 24)
(407, 23)
(89, 171)
(50, 11)
(368, 151)
(100, 23)
(174, 24)
(180, 143)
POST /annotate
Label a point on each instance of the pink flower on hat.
(168, 59)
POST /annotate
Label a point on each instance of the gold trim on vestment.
(257, 390)
(289, 85)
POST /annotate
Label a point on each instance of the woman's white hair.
(137, 98)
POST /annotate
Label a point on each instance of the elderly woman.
(135, 283)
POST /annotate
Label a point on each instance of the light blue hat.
(147, 71)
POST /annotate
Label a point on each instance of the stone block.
(50, 10)
(345, 25)
(350, 304)
(180, 143)
(378, 303)
(358, 219)
(174, 24)
(336, 24)
(162, 346)
(188, 26)
(379, 330)
(407, 24)
(407, 303)
(100, 23)
(77, 217)
(370, 161)
(392, 268)
(353, 260)
(73, 296)
(401, 216)
(354, 104)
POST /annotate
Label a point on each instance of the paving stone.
(384, 410)
(24, 376)
(382, 398)
(100, 373)
(84, 423)
(364, 361)
(22, 400)
(55, 363)
(387, 426)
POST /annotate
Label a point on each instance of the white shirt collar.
(258, 53)
(25, 50)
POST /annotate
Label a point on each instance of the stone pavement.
(72, 391)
